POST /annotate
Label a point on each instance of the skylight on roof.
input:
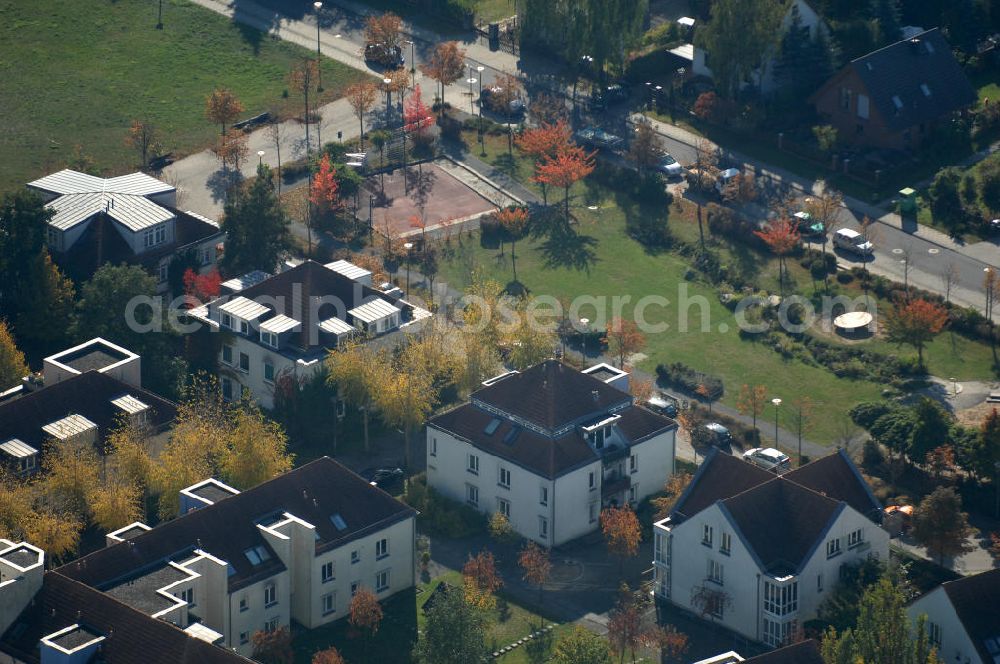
(897, 102)
(257, 554)
(492, 427)
(929, 46)
(926, 90)
(338, 521)
(512, 435)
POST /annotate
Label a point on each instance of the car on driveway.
(390, 57)
(853, 241)
(669, 166)
(596, 137)
(383, 478)
(664, 404)
(488, 99)
(610, 95)
(768, 458)
(716, 434)
(807, 226)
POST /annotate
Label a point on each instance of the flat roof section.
(373, 310)
(212, 492)
(21, 556)
(96, 354)
(140, 592)
(73, 637)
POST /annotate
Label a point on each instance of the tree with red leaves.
(274, 647)
(200, 288)
(623, 339)
(365, 614)
(537, 565)
(417, 117)
(781, 235)
(329, 656)
(622, 532)
(325, 193)
(915, 323)
(545, 142)
(569, 166)
(481, 580)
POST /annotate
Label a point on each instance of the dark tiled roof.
(806, 652)
(130, 635)
(88, 394)
(298, 291)
(638, 423)
(551, 395)
(781, 522)
(837, 477)
(719, 477)
(899, 70)
(313, 492)
(540, 454)
(976, 600)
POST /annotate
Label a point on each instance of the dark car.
(383, 478)
(488, 100)
(596, 137)
(716, 434)
(610, 95)
(390, 57)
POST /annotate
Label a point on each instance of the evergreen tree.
(45, 322)
(455, 631)
(930, 429)
(23, 219)
(738, 37)
(887, 27)
(256, 227)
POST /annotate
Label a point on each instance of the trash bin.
(494, 36)
(907, 201)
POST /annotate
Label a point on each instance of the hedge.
(682, 377)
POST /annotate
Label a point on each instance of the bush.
(451, 128)
(845, 277)
(871, 454)
(867, 413)
(441, 515)
(683, 377)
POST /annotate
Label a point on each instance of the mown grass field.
(620, 266)
(77, 73)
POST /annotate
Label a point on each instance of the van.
(725, 177)
(662, 404)
(718, 434)
(853, 241)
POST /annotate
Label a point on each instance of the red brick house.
(893, 97)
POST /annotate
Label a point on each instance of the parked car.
(853, 241)
(717, 434)
(807, 227)
(602, 98)
(597, 138)
(669, 166)
(768, 458)
(664, 404)
(383, 478)
(390, 57)
(488, 100)
(995, 225)
(724, 178)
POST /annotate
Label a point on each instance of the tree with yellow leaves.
(405, 399)
(254, 449)
(481, 580)
(12, 364)
(72, 473)
(359, 372)
(115, 503)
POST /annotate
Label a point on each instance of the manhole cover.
(934, 250)
(897, 251)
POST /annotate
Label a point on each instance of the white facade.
(549, 511)
(944, 628)
(708, 551)
(248, 365)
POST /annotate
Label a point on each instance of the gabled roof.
(804, 652)
(551, 395)
(130, 636)
(720, 476)
(781, 522)
(89, 395)
(836, 476)
(976, 600)
(913, 81)
(228, 528)
(68, 181)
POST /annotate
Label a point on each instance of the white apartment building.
(758, 553)
(294, 548)
(963, 618)
(131, 218)
(283, 325)
(549, 448)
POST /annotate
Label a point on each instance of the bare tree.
(709, 600)
(276, 131)
(361, 96)
(303, 78)
(949, 279)
(142, 137)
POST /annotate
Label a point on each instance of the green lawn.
(76, 73)
(621, 267)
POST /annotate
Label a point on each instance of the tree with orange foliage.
(274, 647)
(751, 400)
(548, 140)
(705, 393)
(537, 566)
(941, 460)
(361, 96)
(325, 194)
(671, 643)
(514, 220)
(481, 580)
(915, 323)
(781, 235)
(446, 65)
(622, 533)
(564, 170)
(365, 615)
(200, 288)
(624, 338)
(232, 149)
(222, 106)
(329, 656)
(142, 137)
(383, 29)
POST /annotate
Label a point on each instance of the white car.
(669, 166)
(851, 240)
(768, 458)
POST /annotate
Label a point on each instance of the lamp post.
(585, 324)
(413, 64)
(260, 158)
(159, 17)
(471, 81)
(988, 285)
(319, 63)
(673, 86)
(996, 477)
(482, 144)
(777, 402)
(388, 98)
(649, 94)
(408, 246)
(584, 62)
(657, 103)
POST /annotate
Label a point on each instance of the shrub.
(451, 128)
(441, 515)
(845, 277)
(867, 413)
(683, 377)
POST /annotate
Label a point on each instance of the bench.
(255, 121)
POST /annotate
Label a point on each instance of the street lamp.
(159, 17)
(679, 73)
(413, 64)
(649, 94)
(260, 158)
(471, 81)
(482, 145)
(989, 285)
(319, 64)
(585, 323)
(657, 104)
(408, 246)
(777, 402)
(388, 97)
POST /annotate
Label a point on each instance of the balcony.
(615, 485)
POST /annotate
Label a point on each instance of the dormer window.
(597, 438)
(244, 327)
(227, 321)
(154, 236)
(136, 411)
(269, 339)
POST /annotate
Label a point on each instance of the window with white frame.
(163, 272)
(244, 363)
(268, 371)
(543, 527)
(187, 595)
(271, 625)
(244, 327)
(244, 604)
(776, 633)
(382, 581)
(160, 234)
(781, 599)
(543, 495)
(473, 464)
(661, 549)
(633, 493)
(715, 572)
(633, 463)
(269, 339)
(329, 604)
(472, 494)
(153, 236)
(270, 595)
(227, 354)
(592, 511)
(819, 582)
(227, 389)
(504, 479)
(706, 535)
(833, 547)
(725, 543)
(381, 548)
(355, 557)
(434, 446)
(592, 481)
(854, 538)
(227, 321)
(244, 638)
(354, 587)
(934, 634)
(503, 506)
(326, 571)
